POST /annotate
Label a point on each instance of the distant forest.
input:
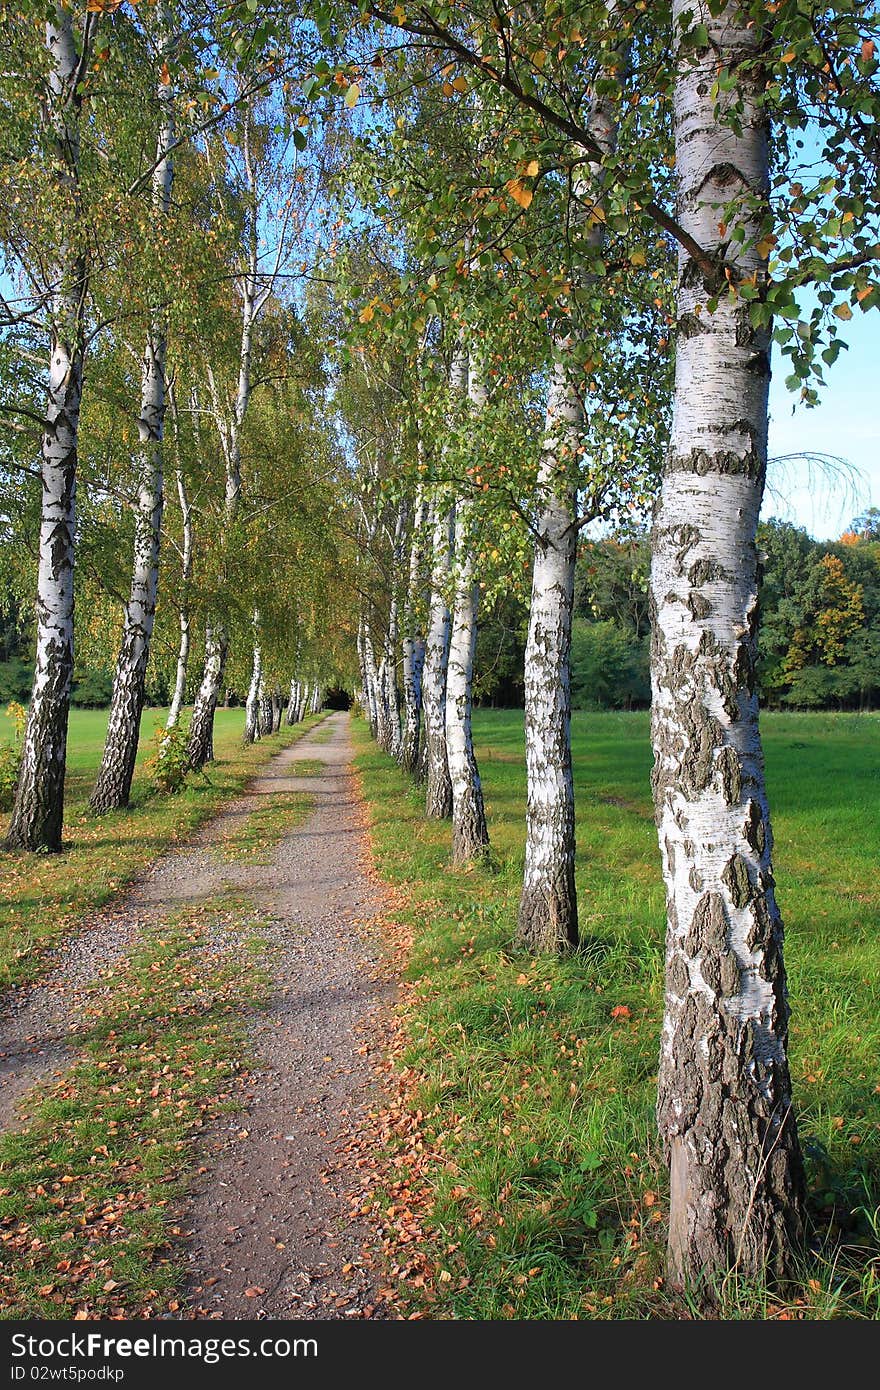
(819, 638)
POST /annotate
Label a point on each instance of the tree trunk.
(413, 649)
(724, 1103)
(113, 785)
(200, 748)
(252, 704)
(373, 690)
(38, 809)
(265, 709)
(470, 836)
(291, 715)
(547, 918)
(277, 710)
(438, 791)
(179, 696)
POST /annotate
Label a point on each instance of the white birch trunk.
(470, 835)
(252, 729)
(38, 810)
(388, 670)
(265, 712)
(413, 647)
(547, 919)
(200, 748)
(179, 696)
(291, 704)
(724, 1105)
(548, 915)
(376, 721)
(113, 784)
(438, 790)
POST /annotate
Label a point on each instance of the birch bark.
(252, 729)
(413, 647)
(179, 696)
(724, 1101)
(200, 748)
(470, 835)
(113, 784)
(547, 919)
(438, 789)
(548, 915)
(38, 810)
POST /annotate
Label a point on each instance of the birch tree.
(257, 168)
(113, 783)
(470, 835)
(38, 812)
(438, 788)
(725, 1105)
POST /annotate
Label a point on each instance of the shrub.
(10, 756)
(169, 763)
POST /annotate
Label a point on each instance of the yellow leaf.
(532, 168)
(164, 75)
(539, 58)
(788, 57)
(460, 84)
(843, 311)
(366, 313)
(519, 193)
(765, 247)
(352, 95)
(637, 258)
(399, 13)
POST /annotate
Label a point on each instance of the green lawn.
(544, 1193)
(42, 896)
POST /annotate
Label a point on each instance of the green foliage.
(16, 679)
(10, 755)
(609, 667)
(92, 688)
(169, 764)
(819, 640)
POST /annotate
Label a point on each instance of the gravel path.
(269, 1233)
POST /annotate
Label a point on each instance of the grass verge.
(529, 1179)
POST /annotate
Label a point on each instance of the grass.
(89, 1188)
(42, 897)
(534, 1158)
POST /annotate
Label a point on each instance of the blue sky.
(845, 425)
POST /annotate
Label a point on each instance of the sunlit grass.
(551, 1197)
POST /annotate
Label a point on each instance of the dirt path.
(268, 1235)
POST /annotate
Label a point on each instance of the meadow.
(543, 1193)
